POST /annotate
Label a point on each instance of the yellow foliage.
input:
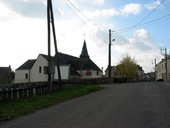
(127, 67)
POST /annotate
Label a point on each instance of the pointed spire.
(84, 52)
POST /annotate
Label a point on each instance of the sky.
(140, 29)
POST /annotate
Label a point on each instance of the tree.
(7, 78)
(127, 67)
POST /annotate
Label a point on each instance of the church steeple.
(84, 52)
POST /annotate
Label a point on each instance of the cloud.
(60, 12)
(153, 5)
(101, 13)
(131, 9)
(141, 46)
(95, 2)
(127, 9)
(99, 2)
(27, 8)
(143, 36)
(5, 13)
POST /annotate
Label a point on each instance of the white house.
(160, 69)
(70, 67)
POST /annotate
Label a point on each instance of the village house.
(160, 69)
(71, 67)
(114, 73)
(140, 75)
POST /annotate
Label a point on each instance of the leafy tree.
(127, 67)
(6, 78)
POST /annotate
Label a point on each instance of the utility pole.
(166, 65)
(109, 65)
(155, 65)
(51, 66)
(155, 62)
(165, 54)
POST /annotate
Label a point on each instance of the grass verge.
(24, 106)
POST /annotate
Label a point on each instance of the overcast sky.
(140, 28)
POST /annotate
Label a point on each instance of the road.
(131, 105)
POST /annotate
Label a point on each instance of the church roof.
(84, 52)
(83, 64)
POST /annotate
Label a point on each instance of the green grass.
(24, 106)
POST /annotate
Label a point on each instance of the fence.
(20, 91)
(25, 90)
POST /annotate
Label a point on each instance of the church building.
(71, 67)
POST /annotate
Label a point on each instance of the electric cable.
(138, 24)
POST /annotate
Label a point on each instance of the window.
(97, 73)
(26, 76)
(40, 69)
(45, 70)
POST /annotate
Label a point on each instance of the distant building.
(140, 75)
(150, 76)
(114, 73)
(160, 69)
(71, 68)
(5, 76)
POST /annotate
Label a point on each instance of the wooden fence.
(24, 90)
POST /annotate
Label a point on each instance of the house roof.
(27, 65)
(65, 58)
(76, 63)
(46, 57)
(83, 64)
(4, 70)
(84, 52)
(140, 68)
(74, 73)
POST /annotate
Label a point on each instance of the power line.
(138, 24)
(101, 46)
(84, 17)
(150, 13)
(82, 14)
(144, 24)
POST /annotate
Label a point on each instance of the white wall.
(33, 75)
(36, 76)
(65, 72)
(20, 76)
(93, 74)
(161, 70)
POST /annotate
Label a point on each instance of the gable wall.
(20, 76)
(35, 75)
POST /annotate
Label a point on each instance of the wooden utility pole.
(166, 65)
(166, 70)
(51, 67)
(109, 65)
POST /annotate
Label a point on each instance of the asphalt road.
(132, 105)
